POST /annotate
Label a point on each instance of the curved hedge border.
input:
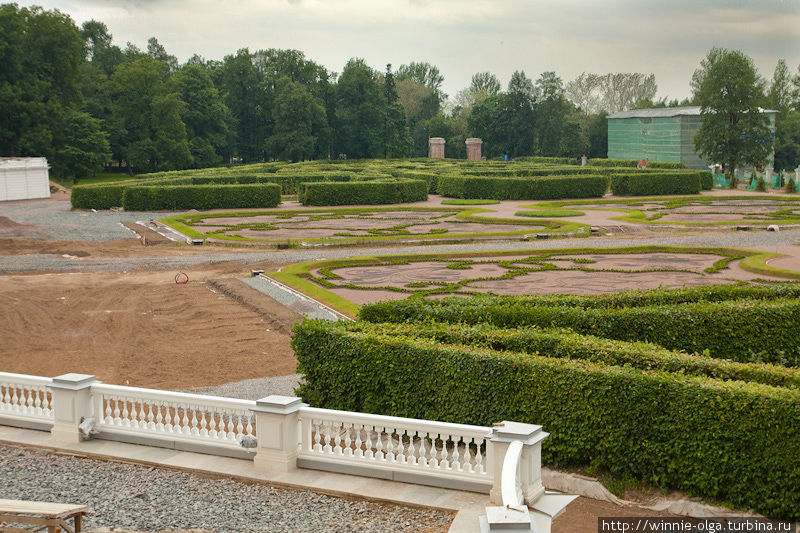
(731, 440)
(148, 198)
(648, 184)
(378, 191)
(741, 330)
(564, 343)
(523, 188)
(633, 163)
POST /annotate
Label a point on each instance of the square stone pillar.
(277, 422)
(530, 475)
(473, 149)
(436, 148)
(72, 403)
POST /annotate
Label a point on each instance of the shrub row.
(146, 198)
(632, 163)
(646, 184)
(410, 308)
(103, 196)
(741, 330)
(374, 192)
(564, 343)
(513, 188)
(704, 436)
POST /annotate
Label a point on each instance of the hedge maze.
(695, 389)
(368, 182)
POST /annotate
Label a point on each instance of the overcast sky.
(665, 37)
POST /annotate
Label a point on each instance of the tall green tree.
(146, 116)
(483, 85)
(397, 141)
(558, 133)
(779, 95)
(424, 74)
(40, 53)
(205, 115)
(360, 108)
(82, 146)
(732, 131)
(299, 123)
(244, 91)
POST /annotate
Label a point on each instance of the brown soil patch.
(141, 329)
(126, 248)
(11, 228)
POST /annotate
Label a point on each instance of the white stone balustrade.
(280, 433)
(403, 449)
(189, 418)
(25, 400)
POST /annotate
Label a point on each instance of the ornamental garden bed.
(346, 284)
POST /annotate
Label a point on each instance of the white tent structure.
(23, 178)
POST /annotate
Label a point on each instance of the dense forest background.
(70, 94)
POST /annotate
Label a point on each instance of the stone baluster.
(277, 421)
(71, 395)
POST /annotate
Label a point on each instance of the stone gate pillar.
(473, 149)
(436, 148)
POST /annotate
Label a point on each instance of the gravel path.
(137, 497)
(38, 262)
(254, 389)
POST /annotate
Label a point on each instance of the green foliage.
(512, 188)
(299, 121)
(791, 186)
(733, 131)
(704, 436)
(379, 191)
(103, 196)
(693, 327)
(149, 198)
(648, 184)
(564, 343)
(84, 147)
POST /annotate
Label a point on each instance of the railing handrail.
(508, 486)
(24, 379)
(445, 428)
(186, 397)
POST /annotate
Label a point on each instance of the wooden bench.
(49, 516)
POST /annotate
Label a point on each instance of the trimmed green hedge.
(103, 196)
(413, 307)
(648, 184)
(741, 330)
(632, 163)
(560, 342)
(377, 191)
(147, 198)
(730, 440)
(523, 188)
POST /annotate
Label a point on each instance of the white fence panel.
(25, 397)
(194, 418)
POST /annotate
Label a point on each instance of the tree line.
(70, 94)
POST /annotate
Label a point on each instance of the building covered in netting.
(659, 134)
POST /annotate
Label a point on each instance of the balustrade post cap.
(73, 381)
(436, 140)
(474, 140)
(279, 405)
(507, 431)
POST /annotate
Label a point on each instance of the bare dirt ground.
(142, 329)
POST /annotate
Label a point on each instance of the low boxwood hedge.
(412, 308)
(523, 188)
(730, 440)
(146, 198)
(371, 192)
(561, 342)
(742, 330)
(647, 184)
(103, 196)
